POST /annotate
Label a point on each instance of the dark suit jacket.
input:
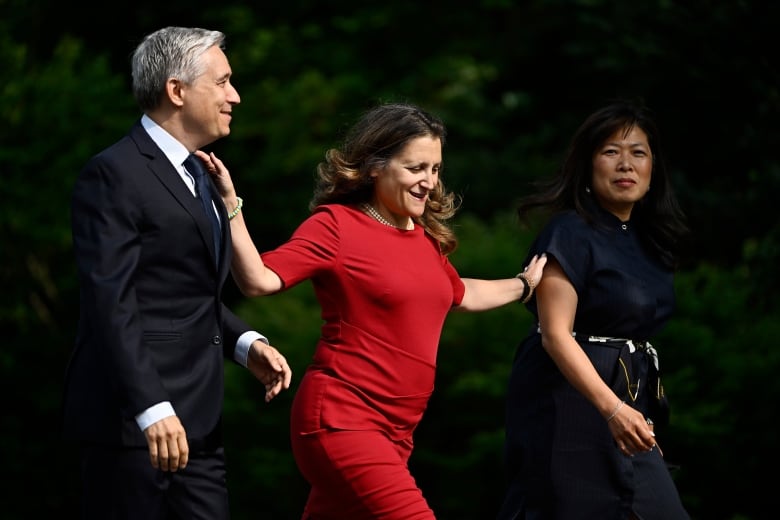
(152, 326)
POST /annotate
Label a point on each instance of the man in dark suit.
(144, 387)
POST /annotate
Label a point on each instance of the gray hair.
(172, 52)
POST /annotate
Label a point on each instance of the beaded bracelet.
(616, 410)
(240, 205)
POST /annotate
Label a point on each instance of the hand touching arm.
(482, 295)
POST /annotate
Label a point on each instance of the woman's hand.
(221, 177)
(631, 430)
(533, 271)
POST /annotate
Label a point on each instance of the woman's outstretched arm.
(249, 272)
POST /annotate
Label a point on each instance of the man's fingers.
(184, 452)
(163, 456)
(154, 456)
(173, 455)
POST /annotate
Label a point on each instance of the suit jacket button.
(216, 340)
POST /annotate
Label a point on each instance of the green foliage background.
(512, 80)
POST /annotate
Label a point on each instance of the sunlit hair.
(172, 52)
(378, 136)
(657, 216)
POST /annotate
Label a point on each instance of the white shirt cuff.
(241, 354)
(154, 414)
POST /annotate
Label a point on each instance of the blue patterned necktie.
(195, 168)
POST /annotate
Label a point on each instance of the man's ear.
(173, 89)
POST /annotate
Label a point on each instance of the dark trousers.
(121, 484)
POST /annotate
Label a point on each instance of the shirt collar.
(173, 149)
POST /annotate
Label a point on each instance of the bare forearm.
(249, 272)
(482, 295)
(578, 370)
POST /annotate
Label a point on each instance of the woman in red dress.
(376, 250)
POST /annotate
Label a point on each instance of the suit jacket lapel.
(169, 177)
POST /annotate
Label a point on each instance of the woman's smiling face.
(401, 188)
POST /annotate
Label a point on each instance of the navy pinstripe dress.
(561, 458)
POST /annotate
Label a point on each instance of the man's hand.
(270, 367)
(168, 447)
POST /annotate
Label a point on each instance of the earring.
(587, 189)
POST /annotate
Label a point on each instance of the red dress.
(384, 295)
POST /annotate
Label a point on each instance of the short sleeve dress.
(561, 458)
(384, 295)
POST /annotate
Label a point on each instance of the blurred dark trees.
(512, 80)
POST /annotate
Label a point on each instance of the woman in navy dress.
(584, 393)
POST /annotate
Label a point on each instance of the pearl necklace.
(368, 208)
